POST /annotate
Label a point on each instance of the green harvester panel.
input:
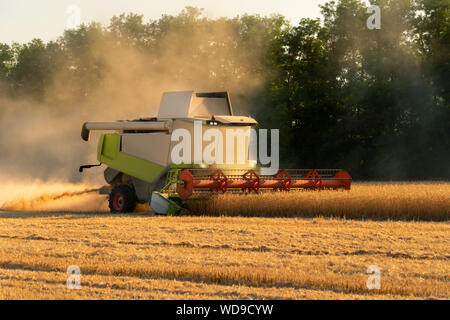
(108, 152)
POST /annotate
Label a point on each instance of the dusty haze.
(40, 141)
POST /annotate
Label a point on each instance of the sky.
(23, 20)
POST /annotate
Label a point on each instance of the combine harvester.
(140, 168)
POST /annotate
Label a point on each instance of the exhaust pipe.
(125, 125)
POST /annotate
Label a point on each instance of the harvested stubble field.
(143, 256)
(136, 256)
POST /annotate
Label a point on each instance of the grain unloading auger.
(139, 156)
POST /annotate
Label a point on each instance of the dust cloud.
(40, 144)
(51, 196)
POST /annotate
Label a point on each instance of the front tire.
(122, 199)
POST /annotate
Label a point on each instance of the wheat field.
(140, 256)
(375, 201)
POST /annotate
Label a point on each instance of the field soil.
(140, 256)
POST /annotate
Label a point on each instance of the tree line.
(374, 102)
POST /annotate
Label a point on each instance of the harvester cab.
(159, 160)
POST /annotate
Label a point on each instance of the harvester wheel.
(122, 199)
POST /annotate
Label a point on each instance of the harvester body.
(141, 168)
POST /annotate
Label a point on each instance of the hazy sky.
(23, 20)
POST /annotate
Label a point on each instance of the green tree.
(83, 67)
(6, 57)
(31, 72)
